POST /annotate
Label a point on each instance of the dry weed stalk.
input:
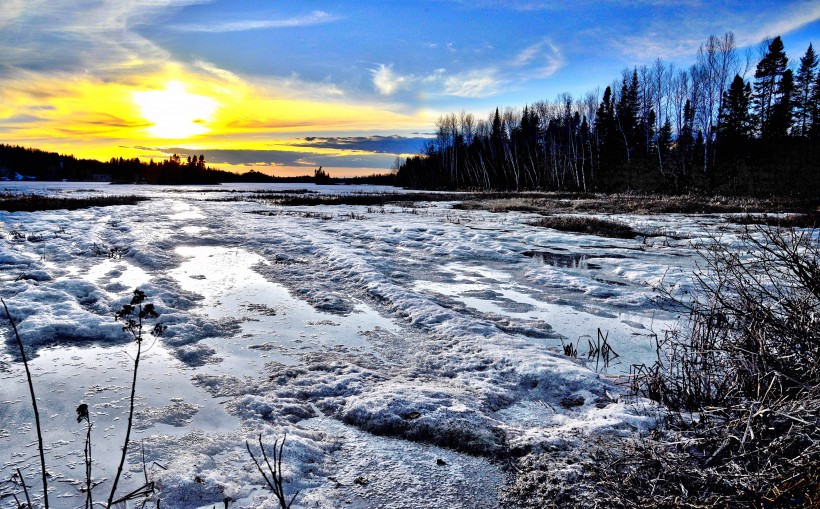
(133, 315)
(275, 479)
(34, 407)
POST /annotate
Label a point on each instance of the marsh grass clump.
(631, 203)
(739, 385)
(588, 225)
(11, 202)
(807, 220)
(741, 379)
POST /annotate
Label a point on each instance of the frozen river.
(405, 351)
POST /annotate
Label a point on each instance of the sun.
(175, 113)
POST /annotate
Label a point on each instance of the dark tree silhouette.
(657, 130)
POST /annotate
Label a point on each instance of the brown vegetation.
(740, 389)
(588, 225)
(633, 204)
(32, 202)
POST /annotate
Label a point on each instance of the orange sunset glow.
(203, 109)
(284, 87)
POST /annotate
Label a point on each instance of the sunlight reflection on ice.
(117, 271)
(275, 325)
(101, 377)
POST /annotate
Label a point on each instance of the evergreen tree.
(814, 109)
(804, 82)
(782, 115)
(686, 135)
(606, 131)
(628, 111)
(605, 116)
(768, 75)
(649, 130)
(734, 121)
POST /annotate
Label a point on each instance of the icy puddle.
(275, 326)
(167, 403)
(185, 212)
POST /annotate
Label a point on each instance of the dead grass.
(588, 225)
(634, 204)
(808, 220)
(740, 389)
(32, 202)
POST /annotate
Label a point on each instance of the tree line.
(716, 127)
(32, 163)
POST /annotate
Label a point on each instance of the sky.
(284, 87)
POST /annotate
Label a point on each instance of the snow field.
(378, 345)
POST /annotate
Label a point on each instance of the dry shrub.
(740, 383)
(743, 378)
(807, 220)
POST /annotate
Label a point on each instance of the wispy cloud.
(544, 57)
(537, 61)
(53, 37)
(680, 37)
(552, 5)
(11, 11)
(312, 19)
(222, 74)
(785, 21)
(471, 83)
(474, 83)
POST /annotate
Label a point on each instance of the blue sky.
(472, 49)
(377, 68)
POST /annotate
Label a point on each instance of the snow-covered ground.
(403, 351)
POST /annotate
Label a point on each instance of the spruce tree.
(607, 133)
(814, 110)
(804, 82)
(734, 121)
(768, 74)
(782, 115)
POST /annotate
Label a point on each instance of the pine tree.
(605, 116)
(768, 75)
(783, 109)
(814, 107)
(804, 82)
(648, 128)
(686, 137)
(606, 131)
(735, 121)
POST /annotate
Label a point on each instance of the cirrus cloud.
(312, 19)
